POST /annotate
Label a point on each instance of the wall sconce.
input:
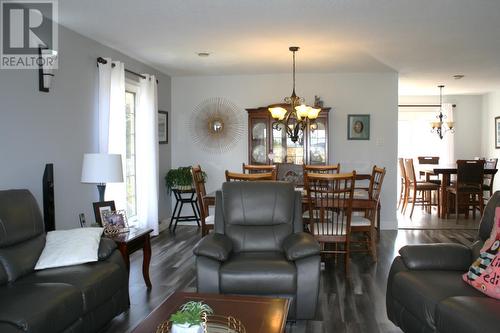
(45, 75)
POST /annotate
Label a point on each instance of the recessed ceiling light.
(203, 54)
(458, 76)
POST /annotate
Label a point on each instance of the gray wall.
(60, 126)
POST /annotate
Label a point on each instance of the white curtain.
(112, 132)
(147, 174)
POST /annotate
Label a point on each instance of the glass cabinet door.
(258, 141)
(286, 151)
(318, 143)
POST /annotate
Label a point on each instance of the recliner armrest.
(455, 257)
(215, 246)
(300, 245)
(106, 248)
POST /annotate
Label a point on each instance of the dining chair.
(333, 168)
(330, 201)
(235, 176)
(489, 178)
(415, 187)
(467, 191)
(367, 222)
(422, 160)
(207, 220)
(402, 192)
(255, 168)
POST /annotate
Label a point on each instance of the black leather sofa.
(425, 291)
(259, 247)
(80, 298)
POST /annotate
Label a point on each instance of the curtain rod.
(101, 60)
(421, 105)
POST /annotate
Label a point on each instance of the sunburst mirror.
(216, 124)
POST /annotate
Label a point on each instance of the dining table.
(445, 171)
(360, 202)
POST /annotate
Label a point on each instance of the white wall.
(60, 126)
(374, 93)
(467, 117)
(491, 109)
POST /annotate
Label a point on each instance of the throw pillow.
(70, 247)
(484, 273)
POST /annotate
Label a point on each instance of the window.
(130, 172)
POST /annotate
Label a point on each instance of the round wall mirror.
(216, 126)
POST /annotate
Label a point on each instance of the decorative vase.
(185, 328)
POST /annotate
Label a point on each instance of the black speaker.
(48, 198)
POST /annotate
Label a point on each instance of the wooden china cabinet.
(312, 147)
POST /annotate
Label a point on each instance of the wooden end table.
(131, 241)
(257, 314)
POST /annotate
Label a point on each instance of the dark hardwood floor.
(352, 304)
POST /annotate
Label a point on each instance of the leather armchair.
(259, 247)
(425, 291)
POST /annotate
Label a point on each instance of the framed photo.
(358, 127)
(162, 127)
(102, 207)
(497, 132)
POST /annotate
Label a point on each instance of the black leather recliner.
(425, 291)
(80, 298)
(259, 247)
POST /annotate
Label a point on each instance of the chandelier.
(441, 127)
(295, 116)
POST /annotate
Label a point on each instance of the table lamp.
(101, 169)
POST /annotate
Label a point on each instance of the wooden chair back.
(428, 160)
(330, 203)
(234, 176)
(410, 171)
(402, 171)
(470, 174)
(203, 203)
(253, 168)
(333, 168)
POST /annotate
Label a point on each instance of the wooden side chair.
(415, 187)
(468, 189)
(254, 168)
(402, 192)
(422, 160)
(488, 178)
(330, 201)
(207, 220)
(367, 222)
(234, 176)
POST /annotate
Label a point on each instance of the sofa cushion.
(20, 217)
(420, 291)
(40, 307)
(70, 247)
(258, 273)
(465, 314)
(97, 281)
(20, 259)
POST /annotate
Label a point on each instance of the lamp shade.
(102, 168)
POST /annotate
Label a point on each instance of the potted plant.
(189, 318)
(180, 178)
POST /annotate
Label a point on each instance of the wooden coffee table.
(257, 314)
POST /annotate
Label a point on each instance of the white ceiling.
(426, 41)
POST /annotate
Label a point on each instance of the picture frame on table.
(162, 127)
(115, 222)
(102, 207)
(358, 127)
(497, 132)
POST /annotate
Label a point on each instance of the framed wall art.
(162, 127)
(497, 132)
(358, 127)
